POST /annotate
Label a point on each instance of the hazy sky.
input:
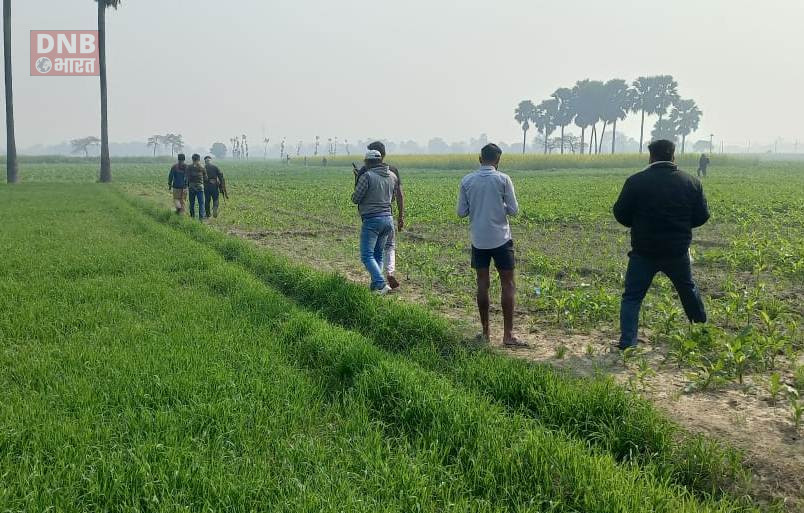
(412, 69)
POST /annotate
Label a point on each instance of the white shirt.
(487, 197)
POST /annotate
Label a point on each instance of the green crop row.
(596, 411)
(141, 371)
(535, 161)
(505, 457)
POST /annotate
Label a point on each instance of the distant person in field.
(373, 193)
(196, 177)
(390, 246)
(661, 205)
(487, 197)
(703, 163)
(214, 187)
(177, 182)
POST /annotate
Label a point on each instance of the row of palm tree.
(590, 102)
(11, 147)
(173, 141)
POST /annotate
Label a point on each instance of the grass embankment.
(141, 371)
(595, 411)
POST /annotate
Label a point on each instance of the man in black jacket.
(661, 205)
(213, 187)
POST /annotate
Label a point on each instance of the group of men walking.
(661, 205)
(204, 183)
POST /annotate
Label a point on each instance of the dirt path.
(740, 415)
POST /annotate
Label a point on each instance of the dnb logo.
(64, 53)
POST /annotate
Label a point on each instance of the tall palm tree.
(617, 102)
(686, 116)
(544, 117)
(523, 115)
(642, 101)
(586, 105)
(564, 113)
(653, 95)
(665, 94)
(11, 142)
(105, 162)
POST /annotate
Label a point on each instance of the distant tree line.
(591, 102)
(173, 141)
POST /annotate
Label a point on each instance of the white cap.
(373, 155)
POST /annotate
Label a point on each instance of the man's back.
(487, 197)
(661, 205)
(214, 175)
(374, 191)
(178, 176)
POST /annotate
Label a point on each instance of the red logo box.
(63, 53)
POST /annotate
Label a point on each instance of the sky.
(416, 69)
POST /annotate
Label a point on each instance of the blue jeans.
(197, 196)
(638, 278)
(373, 235)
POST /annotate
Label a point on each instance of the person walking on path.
(390, 245)
(214, 186)
(661, 205)
(703, 163)
(196, 177)
(373, 193)
(177, 182)
(487, 197)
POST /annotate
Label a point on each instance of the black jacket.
(661, 205)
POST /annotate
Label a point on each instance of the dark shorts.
(503, 257)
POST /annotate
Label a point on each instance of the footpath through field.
(161, 368)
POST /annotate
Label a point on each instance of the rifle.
(223, 188)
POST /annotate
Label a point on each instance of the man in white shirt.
(487, 197)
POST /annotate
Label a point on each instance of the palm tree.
(617, 102)
(665, 94)
(687, 116)
(523, 115)
(105, 163)
(155, 141)
(544, 117)
(564, 113)
(642, 101)
(653, 95)
(586, 105)
(11, 143)
(664, 129)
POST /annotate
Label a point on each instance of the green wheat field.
(153, 363)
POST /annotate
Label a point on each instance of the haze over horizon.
(359, 69)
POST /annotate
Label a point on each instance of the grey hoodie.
(374, 191)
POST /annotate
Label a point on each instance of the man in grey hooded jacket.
(373, 194)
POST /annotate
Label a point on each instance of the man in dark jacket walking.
(213, 187)
(661, 205)
(177, 182)
(703, 163)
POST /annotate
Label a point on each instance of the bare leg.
(483, 284)
(507, 298)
